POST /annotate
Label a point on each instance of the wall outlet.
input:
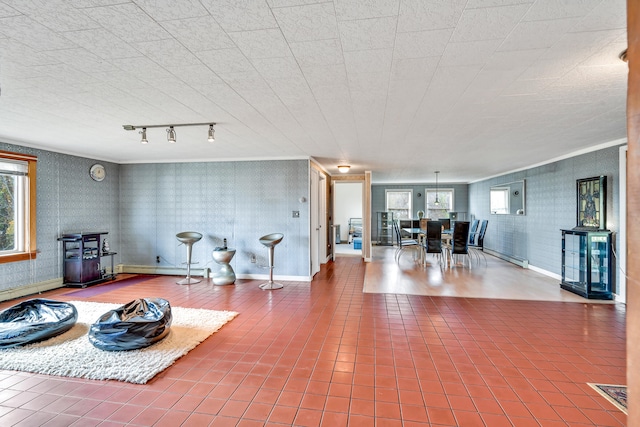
(253, 259)
(158, 259)
(296, 214)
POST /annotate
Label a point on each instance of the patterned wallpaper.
(68, 200)
(239, 201)
(143, 207)
(550, 207)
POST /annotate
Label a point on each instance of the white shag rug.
(72, 355)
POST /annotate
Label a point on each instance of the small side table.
(225, 276)
(113, 272)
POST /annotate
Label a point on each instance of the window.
(399, 202)
(439, 203)
(17, 207)
(500, 200)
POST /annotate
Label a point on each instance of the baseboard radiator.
(524, 263)
(169, 271)
(31, 289)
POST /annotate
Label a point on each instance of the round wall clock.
(98, 172)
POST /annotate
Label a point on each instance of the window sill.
(22, 256)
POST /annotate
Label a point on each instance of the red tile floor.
(326, 354)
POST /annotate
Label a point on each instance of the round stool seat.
(189, 237)
(271, 239)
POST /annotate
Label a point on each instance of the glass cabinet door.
(599, 252)
(575, 258)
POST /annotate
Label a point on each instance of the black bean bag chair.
(35, 320)
(135, 325)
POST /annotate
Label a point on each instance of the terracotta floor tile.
(362, 407)
(334, 419)
(283, 414)
(308, 418)
(313, 401)
(414, 413)
(337, 404)
(339, 356)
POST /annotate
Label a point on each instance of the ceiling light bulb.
(623, 56)
(344, 168)
(171, 135)
(144, 136)
(211, 137)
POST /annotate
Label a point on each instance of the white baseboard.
(201, 272)
(545, 272)
(34, 288)
(619, 298)
(524, 263)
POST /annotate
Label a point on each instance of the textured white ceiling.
(472, 88)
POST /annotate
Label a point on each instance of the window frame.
(427, 191)
(398, 190)
(27, 231)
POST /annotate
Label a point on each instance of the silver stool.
(270, 241)
(189, 238)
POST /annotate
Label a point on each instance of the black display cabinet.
(385, 228)
(81, 257)
(586, 263)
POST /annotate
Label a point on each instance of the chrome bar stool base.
(188, 281)
(271, 285)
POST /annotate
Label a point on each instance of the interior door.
(315, 226)
(322, 219)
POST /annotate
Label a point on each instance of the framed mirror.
(508, 198)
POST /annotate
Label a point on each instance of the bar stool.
(270, 241)
(189, 238)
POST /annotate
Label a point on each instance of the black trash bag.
(137, 324)
(35, 320)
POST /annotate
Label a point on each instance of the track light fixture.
(171, 135)
(171, 132)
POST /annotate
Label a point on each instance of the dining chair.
(446, 223)
(473, 229)
(460, 242)
(403, 243)
(476, 245)
(433, 241)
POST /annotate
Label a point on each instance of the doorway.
(348, 218)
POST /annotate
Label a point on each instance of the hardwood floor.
(495, 279)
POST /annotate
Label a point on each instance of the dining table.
(422, 236)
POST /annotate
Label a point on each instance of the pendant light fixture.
(437, 202)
